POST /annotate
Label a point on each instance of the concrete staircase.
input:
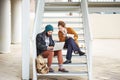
(60, 11)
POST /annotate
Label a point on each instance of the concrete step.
(90, 4)
(55, 38)
(104, 4)
(82, 73)
(64, 52)
(81, 39)
(56, 34)
(75, 55)
(76, 28)
(67, 22)
(57, 10)
(62, 4)
(67, 25)
(62, 7)
(54, 17)
(78, 32)
(71, 65)
(62, 11)
(63, 19)
(93, 6)
(62, 14)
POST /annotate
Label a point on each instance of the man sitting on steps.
(45, 46)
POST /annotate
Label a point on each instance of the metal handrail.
(37, 28)
(87, 0)
(103, 0)
(88, 36)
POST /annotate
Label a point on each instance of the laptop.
(59, 46)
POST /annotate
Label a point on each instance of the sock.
(60, 66)
(68, 60)
(49, 66)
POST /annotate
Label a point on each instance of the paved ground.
(106, 59)
(106, 62)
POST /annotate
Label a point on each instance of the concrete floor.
(106, 62)
(106, 59)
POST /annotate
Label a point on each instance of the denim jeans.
(71, 46)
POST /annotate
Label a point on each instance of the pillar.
(25, 39)
(16, 21)
(5, 26)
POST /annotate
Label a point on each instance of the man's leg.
(49, 55)
(59, 56)
(60, 60)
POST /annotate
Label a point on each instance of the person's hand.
(50, 48)
(65, 35)
(70, 36)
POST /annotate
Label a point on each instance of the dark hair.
(62, 23)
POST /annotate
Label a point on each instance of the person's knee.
(60, 52)
(57, 53)
(70, 40)
(51, 53)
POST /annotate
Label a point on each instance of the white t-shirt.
(47, 41)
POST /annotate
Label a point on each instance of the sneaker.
(67, 62)
(63, 70)
(76, 52)
(81, 53)
(51, 70)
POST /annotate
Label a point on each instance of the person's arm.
(39, 44)
(74, 33)
(61, 37)
(51, 45)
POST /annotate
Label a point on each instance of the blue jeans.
(71, 46)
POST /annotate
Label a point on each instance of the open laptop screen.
(59, 46)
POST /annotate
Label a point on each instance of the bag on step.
(41, 66)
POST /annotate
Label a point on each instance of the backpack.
(41, 66)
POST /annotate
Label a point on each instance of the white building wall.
(105, 25)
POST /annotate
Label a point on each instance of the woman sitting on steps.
(69, 36)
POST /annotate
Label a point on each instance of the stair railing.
(87, 34)
(37, 28)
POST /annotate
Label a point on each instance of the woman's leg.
(71, 42)
(75, 47)
(69, 52)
